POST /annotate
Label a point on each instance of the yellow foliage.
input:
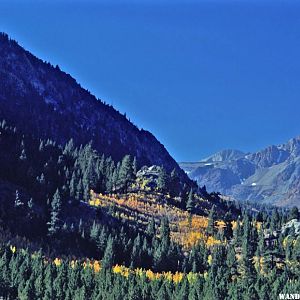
(168, 276)
(73, 264)
(238, 257)
(96, 266)
(122, 270)
(150, 274)
(57, 261)
(125, 272)
(117, 269)
(280, 265)
(139, 272)
(186, 229)
(86, 264)
(209, 259)
(211, 241)
(258, 225)
(191, 277)
(193, 238)
(234, 225)
(220, 224)
(177, 277)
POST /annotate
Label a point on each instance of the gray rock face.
(291, 225)
(224, 155)
(271, 175)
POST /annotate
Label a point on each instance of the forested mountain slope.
(81, 220)
(43, 100)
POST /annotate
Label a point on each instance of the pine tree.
(294, 213)
(23, 155)
(41, 179)
(161, 249)
(54, 224)
(162, 181)
(174, 184)
(49, 292)
(94, 233)
(91, 173)
(275, 220)
(125, 174)
(134, 166)
(69, 148)
(165, 232)
(79, 191)
(211, 221)
(136, 252)
(151, 228)
(27, 292)
(86, 187)
(30, 204)
(108, 257)
(18, 201)
(190, 205)
(247, 250)
(72, 186)
(39, 285)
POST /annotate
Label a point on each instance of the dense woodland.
(78, 225)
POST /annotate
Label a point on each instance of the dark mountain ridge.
(43, 100)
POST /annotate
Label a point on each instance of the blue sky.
(201, 75)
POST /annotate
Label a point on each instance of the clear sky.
(201, 76)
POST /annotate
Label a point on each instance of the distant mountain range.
(271, 175)
(42, 100)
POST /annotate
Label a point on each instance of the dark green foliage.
(190, 205)
(54, 224)
(125, 174)
(294, 213)
(108, 257)
(174, 184)
(44, 206)
(212, 217)
(162, 181)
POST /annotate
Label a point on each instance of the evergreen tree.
(94, 233)
(23, 155)
(231, 260)
(69, 148)
(151, 228)
(79, 191)
(247, 250)
(108, 257)
(54, 224)
(136, 252)
(72, 187)
(135, 166)
(174, 185)
(294, 213)
(162, 181)
(190, 205)
(18, 201)
(125, 174)
(211, 221)
(275, 220)
(161, 250)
